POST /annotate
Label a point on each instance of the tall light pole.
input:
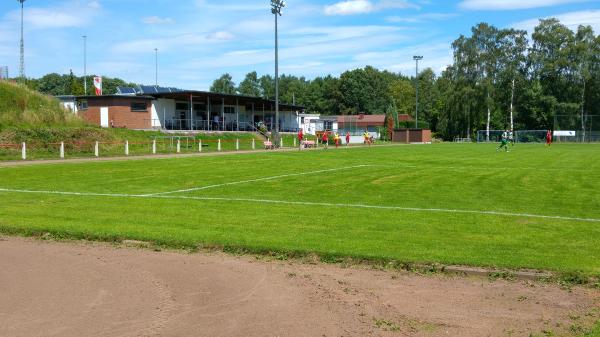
(156, 66)
(22, 60)
(276, 7)
(417, 59)
(85, 64)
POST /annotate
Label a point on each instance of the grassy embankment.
(40, 121)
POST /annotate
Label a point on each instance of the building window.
(229, 110)
(82, 105)
(139, 107)
(181, 106)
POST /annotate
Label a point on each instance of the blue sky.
(198, 40)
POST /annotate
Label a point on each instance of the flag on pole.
(98, 85)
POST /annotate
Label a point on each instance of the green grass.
(560, 181)
(20, 106)
(595, 332)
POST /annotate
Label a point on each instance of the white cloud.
(570, 19)
(421, 17)
(94, 4)
(64, 16)
(252, 6)
(169, 43)
(352, 7)
(41, 18)
(220, 36)
(156, 20)
(512, 4)
(438, 57)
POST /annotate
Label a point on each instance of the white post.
(62, 150)
(219, 145)
(237, 144)
(96, 150)
(127, 148)
(178, 145)
(281, 142)
(295, 142)
(200, 145)
(253, 144)
(24, 151)
(154, 146)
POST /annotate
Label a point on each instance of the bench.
(269, 145)
(308, 143)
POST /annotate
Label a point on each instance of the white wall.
(162, 109)
(71, 105)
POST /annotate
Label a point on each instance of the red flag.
(98, 85)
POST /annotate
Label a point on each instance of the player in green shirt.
(503, 142)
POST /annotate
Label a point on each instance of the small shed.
(410, 136)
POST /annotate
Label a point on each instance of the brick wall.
(119, 111)
(412, 136)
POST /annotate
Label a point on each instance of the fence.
(161, 145)
(520, 136)
(586, 127)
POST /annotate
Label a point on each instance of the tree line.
(496, 74)
(68, 84)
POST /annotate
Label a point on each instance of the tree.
(74, 86)
(402, 93)
(52, 84)
(250, 86)
(365, 91)
(267, 86)
(224, 85)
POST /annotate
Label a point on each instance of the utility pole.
(85, 65)
(156, 65)
(417, 59)
(22, 60)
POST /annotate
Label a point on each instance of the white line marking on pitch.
(254, 180)
(303, 203)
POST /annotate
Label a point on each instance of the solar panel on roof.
(162, 90)
(125, 91)
(147, 89)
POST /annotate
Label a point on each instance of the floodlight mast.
(417, 59)
(22, 59)
(276, 7)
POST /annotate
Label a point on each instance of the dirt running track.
(84, 289)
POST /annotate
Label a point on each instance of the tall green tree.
(250, 86)
(224, 85)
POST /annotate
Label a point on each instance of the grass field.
(534, 207)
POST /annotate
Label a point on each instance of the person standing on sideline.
(347, 138)
(511, 138)
(367, 137)
(503, 142)
(325, 139)
(301, 138)
(548, 138)
(337, 140)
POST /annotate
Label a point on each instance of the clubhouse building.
(170, 109)
(153, 107)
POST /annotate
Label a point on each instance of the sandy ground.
(86, 289)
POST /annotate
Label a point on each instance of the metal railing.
(206, 125)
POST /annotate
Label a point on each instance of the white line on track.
(255, 180)
(302, 203)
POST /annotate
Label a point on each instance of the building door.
(104, 117)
